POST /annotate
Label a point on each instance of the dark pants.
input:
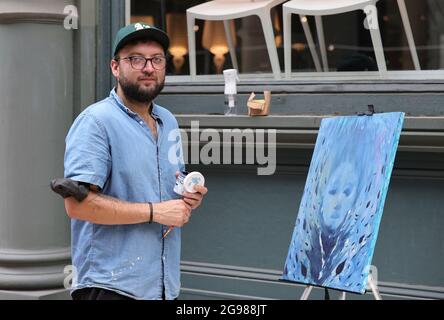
(97, 294)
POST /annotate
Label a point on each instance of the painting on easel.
(341, 208)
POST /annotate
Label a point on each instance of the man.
(120, 148)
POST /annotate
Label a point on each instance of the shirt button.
(141, 122)
(163, 258)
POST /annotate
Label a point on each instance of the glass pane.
(348, 44)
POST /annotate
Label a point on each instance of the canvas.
(341, 208)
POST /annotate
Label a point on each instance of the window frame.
(339, 77)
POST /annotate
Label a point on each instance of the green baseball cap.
(138, 31)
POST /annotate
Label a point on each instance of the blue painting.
(341, 208)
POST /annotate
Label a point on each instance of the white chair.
(225, 10)
(319, 8)
(409, 34)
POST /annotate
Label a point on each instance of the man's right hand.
(172, 213)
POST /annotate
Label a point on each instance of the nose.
(148, 67)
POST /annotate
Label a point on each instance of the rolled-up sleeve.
(87, 153)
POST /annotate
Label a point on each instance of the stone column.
(36, 105)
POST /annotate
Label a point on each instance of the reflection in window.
(176, 25)
(349, 46)
(215, 41)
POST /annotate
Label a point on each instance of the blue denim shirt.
(110, 146)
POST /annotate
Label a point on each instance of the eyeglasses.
(139, 62)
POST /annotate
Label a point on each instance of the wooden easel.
(370, 281)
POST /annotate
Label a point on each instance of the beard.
(139, 93)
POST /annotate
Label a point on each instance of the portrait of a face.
(339, 195)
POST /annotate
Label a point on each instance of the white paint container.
(186, 181)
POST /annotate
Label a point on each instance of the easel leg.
(306, 292)
(374, 288)
(371, 283)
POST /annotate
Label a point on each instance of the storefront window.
(348, 43)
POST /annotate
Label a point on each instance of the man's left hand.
(195, 199)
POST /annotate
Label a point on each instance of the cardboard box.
(259, 107)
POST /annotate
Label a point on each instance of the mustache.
(147, 75)
(147, 78)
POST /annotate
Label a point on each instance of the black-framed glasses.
(139, 62)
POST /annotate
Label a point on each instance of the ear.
(114, 65)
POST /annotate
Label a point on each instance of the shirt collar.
(154, 109)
